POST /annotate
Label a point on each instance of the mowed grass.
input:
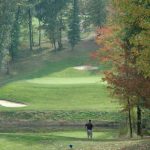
(48, 82)
(56, 85)
(61, 140)
(54, 91)
(60, 94)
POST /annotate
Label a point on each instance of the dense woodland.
(123, 33)
(57, 19)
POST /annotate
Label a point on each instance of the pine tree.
(15, 34)
(7, 17)
(74, 24)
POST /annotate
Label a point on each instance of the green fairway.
(102, 140)
(57, 94)
(56, 85)
(51, 83)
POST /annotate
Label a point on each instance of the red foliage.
(94, 55)
(126, 80)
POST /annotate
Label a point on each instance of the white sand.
(87, 67)
(11, 104)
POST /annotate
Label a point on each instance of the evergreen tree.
(7, 16)
(38, 15)
(15, 34)
(74, 24)
(30, 11)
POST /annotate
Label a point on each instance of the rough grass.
(69, 116)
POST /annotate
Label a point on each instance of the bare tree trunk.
(39, 33)
(15, 35)
(7, 69)
(54, 43)
(130, 121)
(32, 36)
(30, 30)
(60, 40)
(139, 121)
(60, 33)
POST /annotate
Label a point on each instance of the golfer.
(89, 127)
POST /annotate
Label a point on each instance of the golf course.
(59, 99)
(74, 75)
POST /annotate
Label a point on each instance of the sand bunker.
(87, 67)
(11, 104)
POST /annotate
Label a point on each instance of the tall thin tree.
(74, 25)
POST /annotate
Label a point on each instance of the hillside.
(49, 82)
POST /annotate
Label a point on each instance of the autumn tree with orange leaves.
(125, 43)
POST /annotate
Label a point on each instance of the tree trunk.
(7, 69)
(30, 30)
(60, 40)
(15, 35)
(54, 43)
(72, 48)
(139, 121)
(39, 33)
(60, 32)
(130, 121)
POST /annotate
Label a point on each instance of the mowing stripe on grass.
(77, 80)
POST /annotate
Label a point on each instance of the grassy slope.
(53, 90)
(59, 97)
(48, 81)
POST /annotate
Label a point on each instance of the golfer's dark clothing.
(89, 126)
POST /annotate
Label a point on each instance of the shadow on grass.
(39, 138)
(51, 138)
(49, 66)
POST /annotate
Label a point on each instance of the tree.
(15, 34)
(30, 5)
(51, 14)
(136, 28)
(38, 15)
(27, 14)
(85, 22)
(30, 28)
(74, 24)
(123, 45)
(7, 15)
(97, 12)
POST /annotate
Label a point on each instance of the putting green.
(65, 81)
